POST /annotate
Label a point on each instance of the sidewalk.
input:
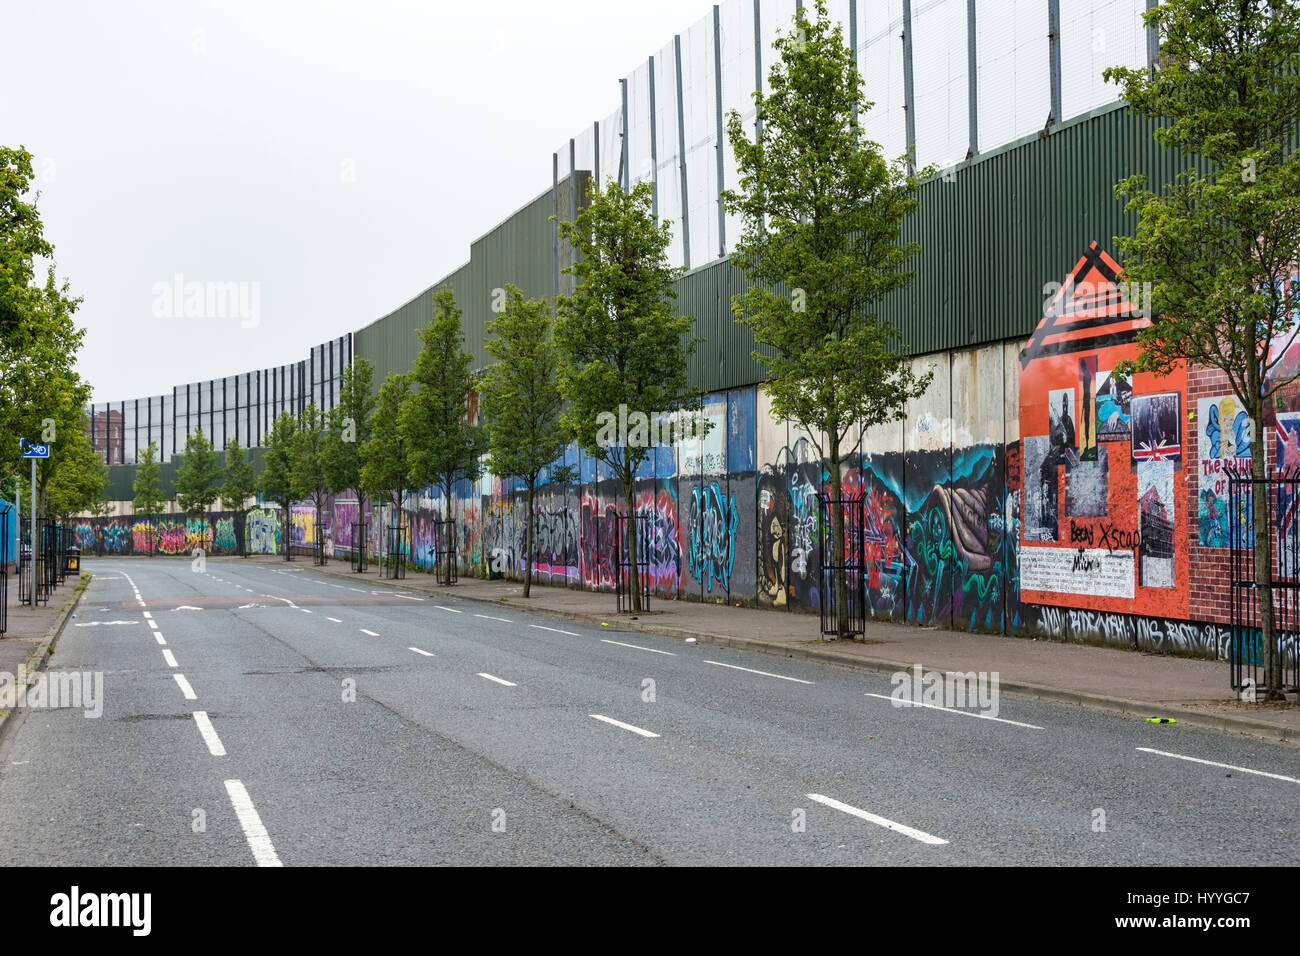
(1194, 692)
(29, 638)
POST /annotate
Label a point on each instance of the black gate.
(623, 581)
(359, 544)
(852, 614)
(393, 562)
(1247, 652)
(444, 551)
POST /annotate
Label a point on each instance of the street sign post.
(33, 451)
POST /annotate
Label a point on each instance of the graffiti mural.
(262, 531)
(711, 537)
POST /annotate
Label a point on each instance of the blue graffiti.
(712, 537)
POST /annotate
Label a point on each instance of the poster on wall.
(1040, 491)
(1156, 522)
(1113, 396)
(1224, 445)
(1157, 427)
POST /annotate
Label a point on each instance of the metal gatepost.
(393, 564)
(445, 563)
(851, 561)
(359, 542)
(1246, 651)
(623, 582)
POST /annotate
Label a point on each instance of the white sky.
(212, 139)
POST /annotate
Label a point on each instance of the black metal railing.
(848, 619)
(445, 558)
(1248, 651)
(623, 584)
(359, 543)
(392, 564)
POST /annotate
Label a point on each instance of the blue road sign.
(32, 450)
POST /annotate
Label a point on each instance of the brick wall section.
(1208, 567)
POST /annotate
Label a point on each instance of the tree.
(237, 484)
(79, 477)
(197, 477)
(385, 465)
(520, 397)
(822, 211)
(278, 479)
(350, 426)
(309, 466)
(147, 489)
(1216, 248)
(443, 445)
(39, 389)
(622, 346)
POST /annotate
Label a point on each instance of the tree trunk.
(837, 547)
(633, 575)
(1264, 562)
(447, 517)
(528, 545)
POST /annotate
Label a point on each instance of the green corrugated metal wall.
(1013, 220)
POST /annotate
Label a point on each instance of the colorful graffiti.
(711, 536)
(262, 531)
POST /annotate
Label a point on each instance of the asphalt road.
(336, 723)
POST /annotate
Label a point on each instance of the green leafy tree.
(310, 467)
(520, 398)
(237, 484)
(147, 488)
(385, 465)
(40, 391)
(822, 212)
(79, 478)
(278, 479)
(350, 427)
(1217, 247)
(198, 477)
(443, 445)
(621, 343)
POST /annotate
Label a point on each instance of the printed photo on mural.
(1155, 483)
(1114, 394)
(1086, 486)
(1224, 445)
(1157, 431)
(1284, 369)
(1087, 408)
(1288, 442)
(1040, 513)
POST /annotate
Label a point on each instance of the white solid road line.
(618, 723)
(554, 629)
(903, 702)
(259, 841)
(169, 657)
(158, 637)
(737, 667)
(185, 687)
(1225, 766)
(209, 734)
(503, 620)
(452, 609)
(497, 679)
(888, 824)
(371, 633)
(605, 640)
(418, 651)
(334, 619)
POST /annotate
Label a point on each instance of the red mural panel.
(1104, 521)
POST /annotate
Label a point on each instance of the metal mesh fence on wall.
(1035, 63)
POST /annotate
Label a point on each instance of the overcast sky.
(342, 156)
